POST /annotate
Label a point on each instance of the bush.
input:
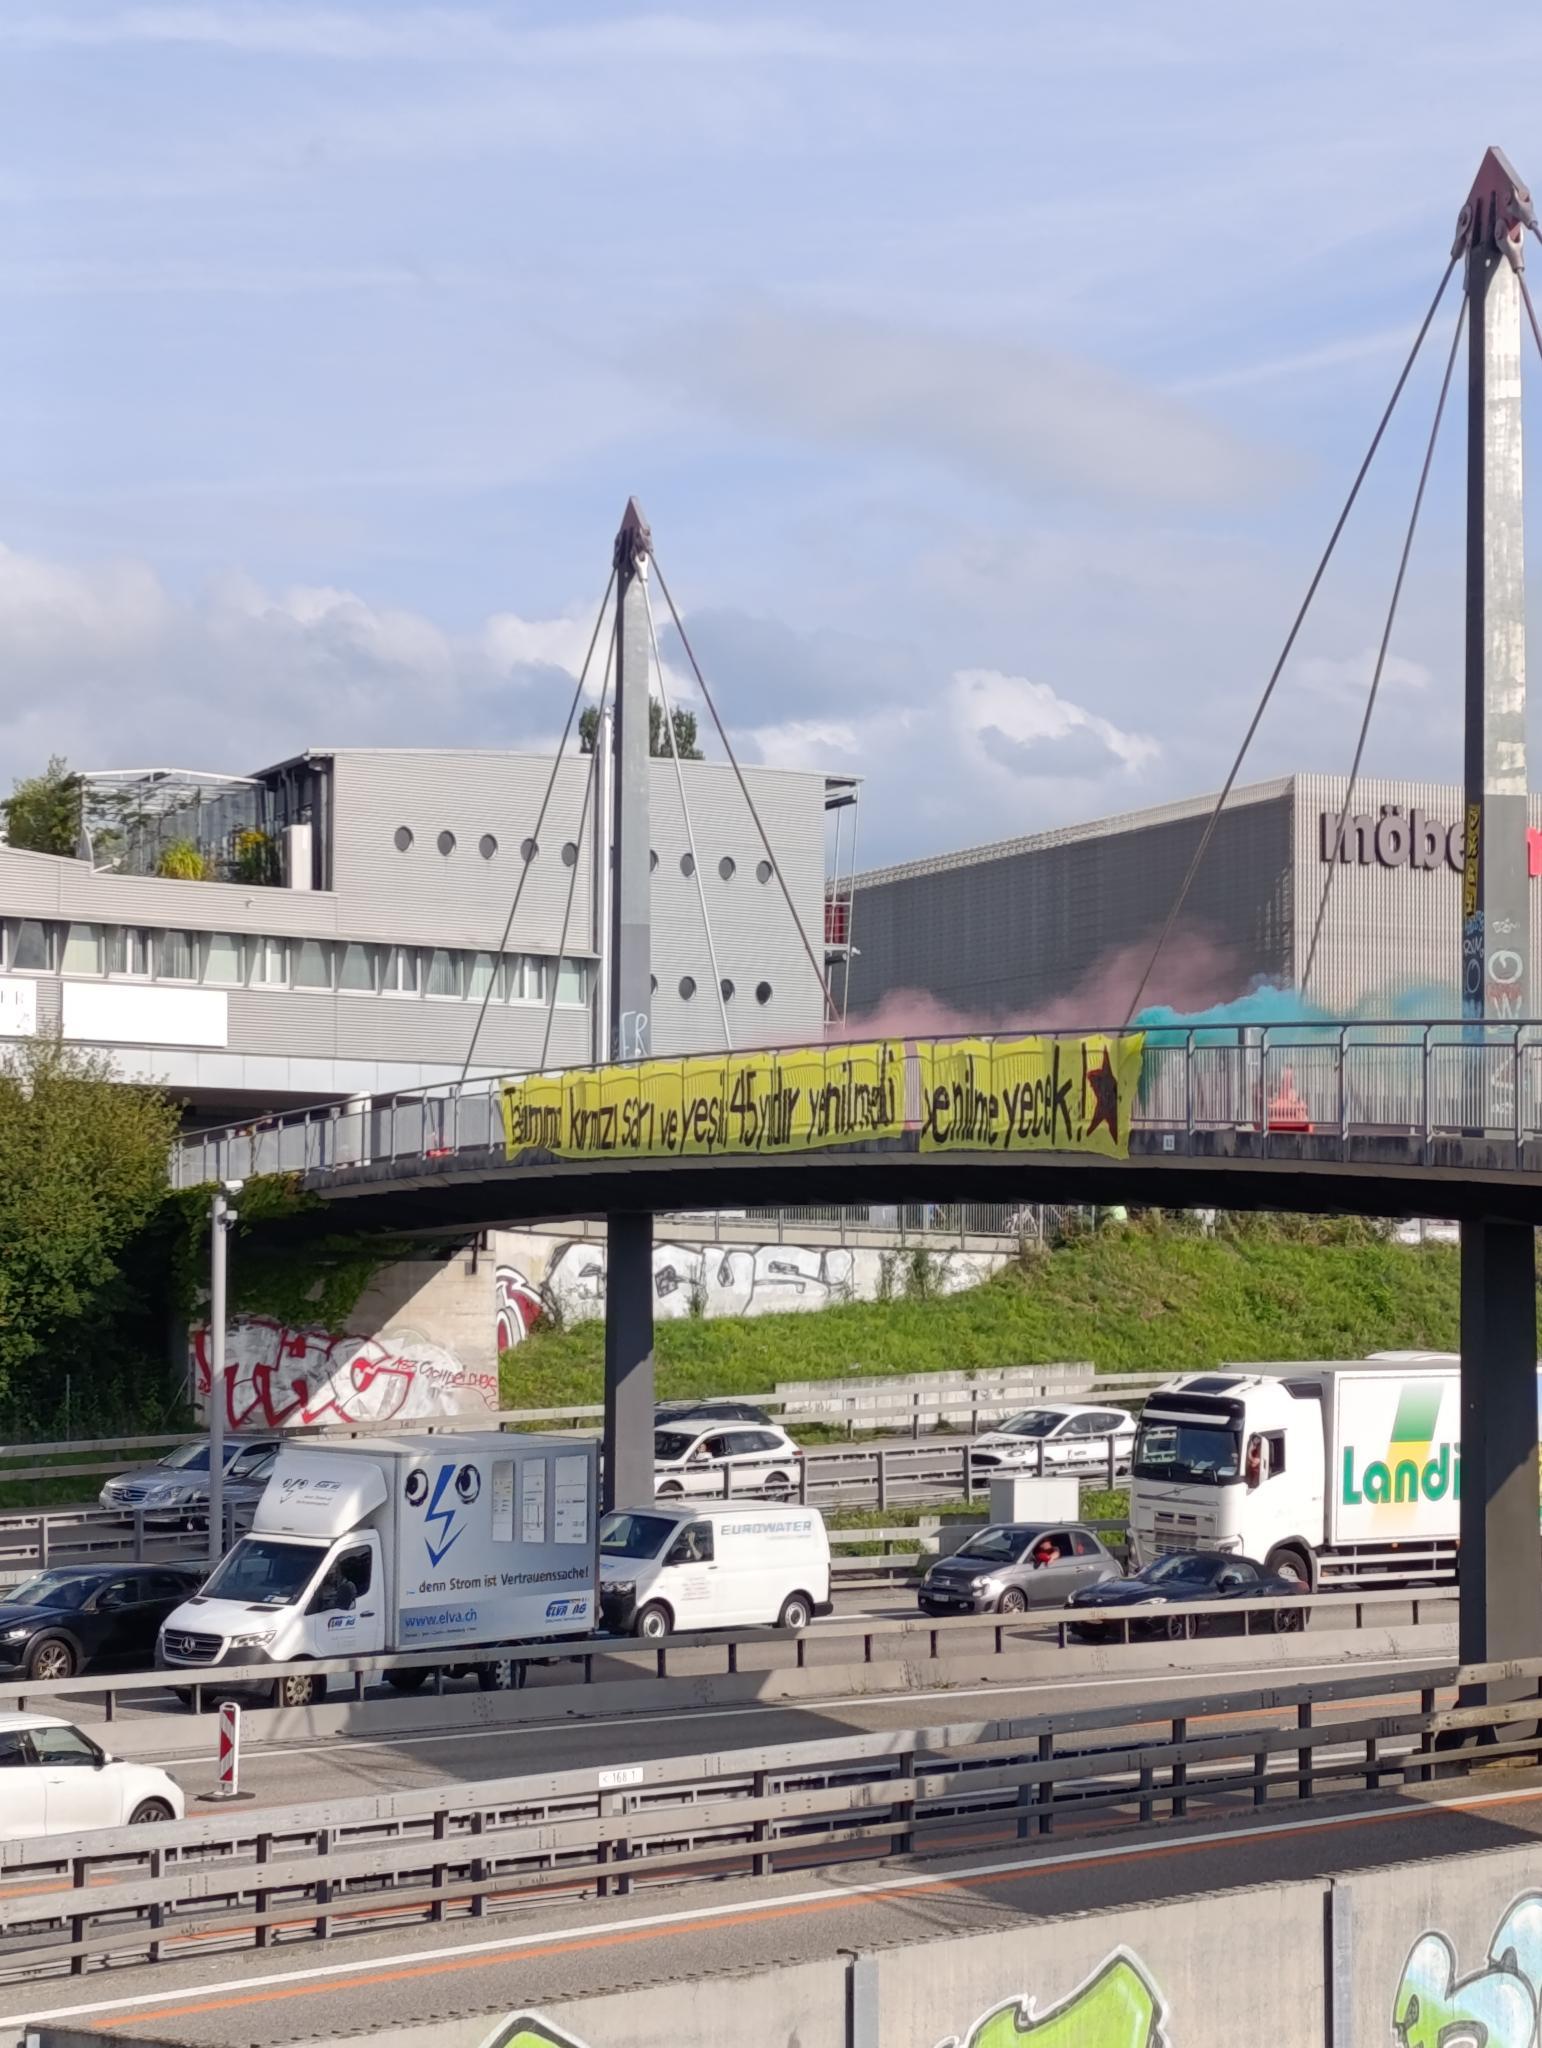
(181, 861)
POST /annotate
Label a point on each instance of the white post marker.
(230, 1753)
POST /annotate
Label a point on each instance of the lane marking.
(561, 1941)
(341, 1741)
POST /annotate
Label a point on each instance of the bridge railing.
(1412, 1079)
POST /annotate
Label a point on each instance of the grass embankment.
(1140, 1299)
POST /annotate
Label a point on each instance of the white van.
(734, 1565)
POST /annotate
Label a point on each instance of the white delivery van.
(735, 1565)
(400, 1543)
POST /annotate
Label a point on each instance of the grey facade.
(362, 966)
(1038, 924)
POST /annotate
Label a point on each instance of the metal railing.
(177, 1890)
(1416, 1081)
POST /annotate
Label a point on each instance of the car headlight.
(618, 1586)
(259, 1639)
(985, 1585)
(18, 1634)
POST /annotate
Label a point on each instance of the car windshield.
(669, 1444)
(997, 1546)
(1167, 1571)
(1189, 1453)
(265, 1573)
(1032, 1422)
(48, 1589)
(635, 1535)
(187, 1458)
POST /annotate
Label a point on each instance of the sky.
(991, 377)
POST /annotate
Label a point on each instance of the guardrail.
(179, 1889)
(1420, 1081)
(574, 1661)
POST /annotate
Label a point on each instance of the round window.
(487, 846)
(446, 842)
(763, 992)
(763, 871)
(687, 988)
(528, 849)
(728, 989)
(728, 867)
(687, 864)
(653, 860)
(570, 854)
(403, 838)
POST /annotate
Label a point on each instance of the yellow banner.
(1030, 1094)
(748, 1102)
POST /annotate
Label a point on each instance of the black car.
(1178, 1580)
(673, 1413)
(82, 1617)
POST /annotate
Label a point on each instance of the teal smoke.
(1287, 1010)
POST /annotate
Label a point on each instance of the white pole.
(221, 1219)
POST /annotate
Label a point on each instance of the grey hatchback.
(1012, 1566)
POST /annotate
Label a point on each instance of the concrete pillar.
(1501, 1562)
(628, 1481)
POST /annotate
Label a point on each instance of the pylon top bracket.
(634, 541)
(1498, 211)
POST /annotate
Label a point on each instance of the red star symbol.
(1104, 1083)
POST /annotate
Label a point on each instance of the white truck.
(458, 1543)
(1338, 1475)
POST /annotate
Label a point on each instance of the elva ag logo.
(464, 1482)
(566, 1610)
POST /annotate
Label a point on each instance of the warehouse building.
(336, 925)
(1032, 925)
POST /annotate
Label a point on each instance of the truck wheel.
(408, 1681)
(797, 1610)
(506, 1675)
(298, 1691)
(1289, 1563)
(653, 1622)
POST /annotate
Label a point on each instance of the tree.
(42, 813)
(82, 1171)
(658, 742)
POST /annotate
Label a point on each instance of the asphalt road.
(561, 1949)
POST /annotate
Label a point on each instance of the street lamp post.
(222, 1218)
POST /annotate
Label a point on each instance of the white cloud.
(1337, 677)
(1011, 726)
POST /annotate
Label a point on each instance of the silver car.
(175, 1492)
(1012, 1566)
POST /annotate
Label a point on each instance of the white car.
(1068, 1436)
(718, 1458)
(56, 1781)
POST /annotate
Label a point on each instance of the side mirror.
(103, 1759)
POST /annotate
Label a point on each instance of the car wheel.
(299, 1690)
(148, 1811)
(1182, 1627)
(50, 1660)
(1013, 1601)
(778, 1487)
(653, 1622)
(671, 1490)
(408, 1681)
(797, 1611)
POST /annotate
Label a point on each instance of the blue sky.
(990, 376)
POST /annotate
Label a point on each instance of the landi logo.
(1399, 839)
(1414, 1468)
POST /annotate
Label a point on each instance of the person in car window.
(1045, 1552)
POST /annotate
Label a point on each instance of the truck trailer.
(1338, 1475)
(461, 1543)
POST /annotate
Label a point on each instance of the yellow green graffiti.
(1117, 2008)
(1496, 2006)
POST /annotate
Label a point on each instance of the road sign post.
(229, 1783)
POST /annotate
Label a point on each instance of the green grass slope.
(1134, 1300)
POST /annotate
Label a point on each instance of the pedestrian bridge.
(1380, 1118)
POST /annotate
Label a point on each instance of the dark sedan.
(83, 1617)
(1184, 1578)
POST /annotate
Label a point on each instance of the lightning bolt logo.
(444, 1516)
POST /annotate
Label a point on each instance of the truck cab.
(1231, 1461)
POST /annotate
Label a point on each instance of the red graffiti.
(277, 1377)
(519, 1307)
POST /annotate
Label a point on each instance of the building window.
(356, 968)
(764, 871)
(311, 966)
(687, 987)
(482, 976)
(763, 993)
(573, 981)
(570, 853)
(125, 950)
(401, 971)
(527, 979)
(728, 989)
(31, 946)
(528, 849)
(446, 843)
(177, 956)
(687, 864)
(443, 973)
(82, 949)
(269, 963)
(653, 860)
(728, 867)
(402, 838)
(222, 958)
(487, 846)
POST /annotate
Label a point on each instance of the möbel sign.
(1396, 838)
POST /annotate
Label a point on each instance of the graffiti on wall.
(277, 1377)
(1118, 2006)
(1496, 2006)
(517, 1307)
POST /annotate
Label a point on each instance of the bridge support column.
(1501, 1563)
(628, 1480)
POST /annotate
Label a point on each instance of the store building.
(1011, 930)
(333, 925)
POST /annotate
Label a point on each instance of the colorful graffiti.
(277, 1377)
(1118, 2006)
(1497, 2006)
(517, 1307)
